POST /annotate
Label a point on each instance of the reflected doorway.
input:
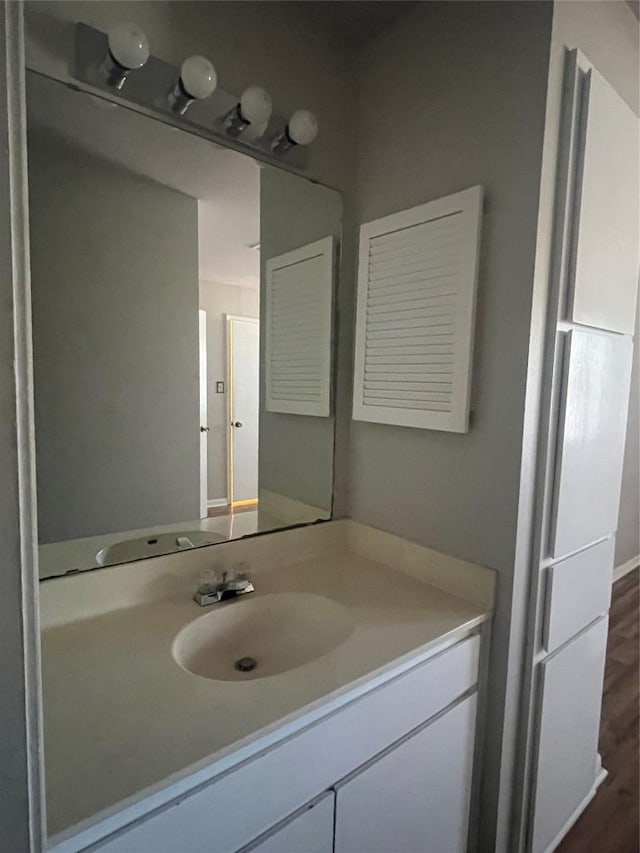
(243, 341)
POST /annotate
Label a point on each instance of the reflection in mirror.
(182, 325)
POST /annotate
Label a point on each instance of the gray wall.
(217, 300)
(628, 537)
(115, 312)
(296, 451)
(453, 96)
(439, 114)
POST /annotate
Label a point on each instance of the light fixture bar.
(147, 91)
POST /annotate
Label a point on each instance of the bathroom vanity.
(358, 724)
(184, 354)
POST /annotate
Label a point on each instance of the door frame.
(229, 320)
(22, 809)
(203, 413)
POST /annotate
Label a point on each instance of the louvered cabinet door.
(417, 281)
(298, 330)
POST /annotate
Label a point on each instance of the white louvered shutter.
(417, 281)
(298, 330)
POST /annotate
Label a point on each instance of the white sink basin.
(261, 636)
(155, 544)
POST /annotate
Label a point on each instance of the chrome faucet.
(222, 587)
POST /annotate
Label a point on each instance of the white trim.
(217, 502)
(229, 320)
(624, 569)
(203, 413)
(22, 807)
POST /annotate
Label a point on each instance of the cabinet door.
(568, 733)
(606, 253)
(415, 797)
(593, 421)
(311, 831)
(579, 590)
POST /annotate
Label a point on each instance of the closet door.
(605, 277)
(593, 421)
(568, 741)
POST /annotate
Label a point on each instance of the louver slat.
(416, 303)
(298, 330)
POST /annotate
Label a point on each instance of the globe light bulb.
(255, 105)
(303, 127)
(198, 77)
(253, 109)
(198, 80)
(128, 50)
(128, 46)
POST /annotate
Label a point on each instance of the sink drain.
(245, 664)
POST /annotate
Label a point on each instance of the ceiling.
(353, 21)
(226, 183)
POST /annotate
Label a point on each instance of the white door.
(243, 337)
(605, 277)
(204, 426)
(593, 419)
(416, 797)
(568, 763)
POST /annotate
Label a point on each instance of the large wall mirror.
(182, 335)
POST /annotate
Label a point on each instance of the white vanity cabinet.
(399, 758)
(416, 796)
(311, 831)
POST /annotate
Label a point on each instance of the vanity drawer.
(578, 591)
(244, 802)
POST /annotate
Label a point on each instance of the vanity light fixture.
(301, 129)
(198, 80)
(254, 108)
(104, 61)
(128, 50)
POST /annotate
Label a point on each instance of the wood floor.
(610, 824)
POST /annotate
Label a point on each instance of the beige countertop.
(121, 716)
